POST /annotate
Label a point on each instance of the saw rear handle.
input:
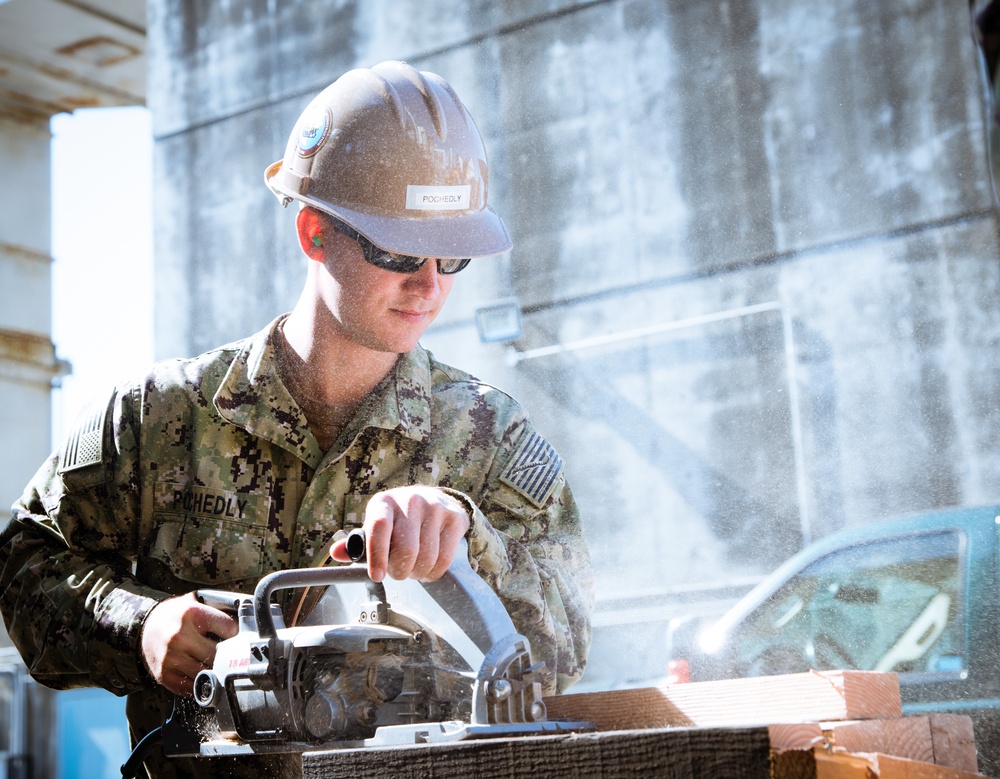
(305, 577)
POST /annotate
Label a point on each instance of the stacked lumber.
(820, 725)
(829, 725)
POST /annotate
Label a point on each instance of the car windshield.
(890, 605)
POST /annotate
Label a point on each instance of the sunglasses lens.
(400, 263)
(404, 263)
(452, 266)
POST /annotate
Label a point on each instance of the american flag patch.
(534, 469)
(85, 445)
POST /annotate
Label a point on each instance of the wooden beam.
(796, 735)
(891, 767)
(829, 725)
(716, 753)
(942, 739)
(839, 765)
(695, 753)
(764, 700)
(954, 741)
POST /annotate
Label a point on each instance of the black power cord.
(153, 739)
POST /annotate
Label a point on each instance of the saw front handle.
(305, 577)
(460, 592)
(356, 546)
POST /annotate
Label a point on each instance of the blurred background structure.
(56, 57)
(755, 264)
(755, 254)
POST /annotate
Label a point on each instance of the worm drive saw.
(373, 665)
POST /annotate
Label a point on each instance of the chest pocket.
(209, 536)
(354, 509)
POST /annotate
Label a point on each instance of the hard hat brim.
(480, 233)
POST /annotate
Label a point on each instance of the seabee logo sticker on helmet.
(315, 129)
(442, 198)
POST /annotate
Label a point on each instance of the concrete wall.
(27, 356)
(793, 197)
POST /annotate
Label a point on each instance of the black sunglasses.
(399, 263)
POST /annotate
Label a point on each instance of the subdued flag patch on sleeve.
(85, 444)
(534, 469)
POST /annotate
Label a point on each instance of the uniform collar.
(252, 396)
(403, 402)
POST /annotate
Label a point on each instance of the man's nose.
(426, 280)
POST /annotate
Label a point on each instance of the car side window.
(889, 605)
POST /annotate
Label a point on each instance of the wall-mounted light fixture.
(499, 321)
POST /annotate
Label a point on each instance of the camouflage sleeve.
(67, 595)
(526, 541)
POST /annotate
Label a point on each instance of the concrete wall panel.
(24, 149)
(24, 414)
(258, 52)
(870, 127)
(27, 359)
(694, 426)
(30, 273)
(219, 270)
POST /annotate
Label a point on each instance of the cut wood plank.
(812, 764)
(943, 739)
(820, 764)
(764, 700)
(908, 737)
(891, 767)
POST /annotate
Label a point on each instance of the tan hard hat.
(392, 152)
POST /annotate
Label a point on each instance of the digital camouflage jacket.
(204, 472)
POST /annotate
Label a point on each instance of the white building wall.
(27, 356)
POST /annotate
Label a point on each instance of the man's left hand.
(410, 532)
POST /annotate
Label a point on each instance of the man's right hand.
(179, 639)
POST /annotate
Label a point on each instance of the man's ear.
(309, 225)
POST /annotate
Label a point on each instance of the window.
(889, 605)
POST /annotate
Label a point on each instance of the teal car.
(917, 596)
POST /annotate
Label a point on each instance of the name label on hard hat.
(420, 198)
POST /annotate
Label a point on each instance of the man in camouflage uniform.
(248, 459)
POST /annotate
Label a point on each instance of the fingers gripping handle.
(460, 592)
